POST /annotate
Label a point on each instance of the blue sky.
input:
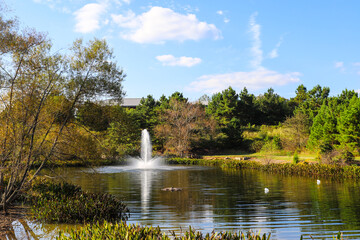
(202, 47)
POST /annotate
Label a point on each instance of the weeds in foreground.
(125, 232)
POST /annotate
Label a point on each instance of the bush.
(295, 158)
(256, 145)
(337, 157)
(64, 202)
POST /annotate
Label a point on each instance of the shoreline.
(17, 212)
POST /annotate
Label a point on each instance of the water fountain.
(146, 160)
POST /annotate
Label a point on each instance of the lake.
(225, 200)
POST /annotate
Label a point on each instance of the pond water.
(224, 199)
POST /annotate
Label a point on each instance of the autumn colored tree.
(183, 123)
(296, 132)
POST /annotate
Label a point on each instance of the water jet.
(146, 160)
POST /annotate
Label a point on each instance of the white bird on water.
(266, 190)
(318, 182)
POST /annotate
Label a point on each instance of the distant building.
(131, 102)
(134, 102)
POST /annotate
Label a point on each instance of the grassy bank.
(301, 169)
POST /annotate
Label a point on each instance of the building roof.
(131, 102)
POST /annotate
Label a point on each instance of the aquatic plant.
(64, 202)
(124, 231)
(310, 170)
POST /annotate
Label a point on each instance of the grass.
(262, 155)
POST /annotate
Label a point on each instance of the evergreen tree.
(349, 125)
(224, 107)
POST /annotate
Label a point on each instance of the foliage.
(123, 135)
(349, 125)
(224, 108)
(295, 132)
(337, 157)
(124, 231)
(310, 170)
(39, 93)
(295, 158)
(184, 124)
(95, 116)
(309, 102)
(64, 202)
(273, 108)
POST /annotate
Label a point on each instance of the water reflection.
(224, 200)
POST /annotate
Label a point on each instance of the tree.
(324, 130)
(31, 77)
(183, 124)
(296, 131)
(349, 125)
(94, 116)
(123, 135)
(310, 101)
(247, 108)
(148, 113)
(273, 108)
(224, 108)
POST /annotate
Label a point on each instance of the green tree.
(273, 108)
(324, 128)
(224, 108)
(123, 135)
(349, 125)
(148, 113)
(247, 109)
(94, 116)
(311, 104)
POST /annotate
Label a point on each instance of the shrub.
(256, 145)
(295, 158)
(64, 202)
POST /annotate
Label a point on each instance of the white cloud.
(356, 64)
(257, 53)
(358, 91)
(339, 64)
(257, 79)
(159, 25)
(274, 53)
(220, 12)
(170, 60)
(88, 17)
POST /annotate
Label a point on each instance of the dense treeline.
(311, 121)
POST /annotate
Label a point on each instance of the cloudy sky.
(204, 46)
